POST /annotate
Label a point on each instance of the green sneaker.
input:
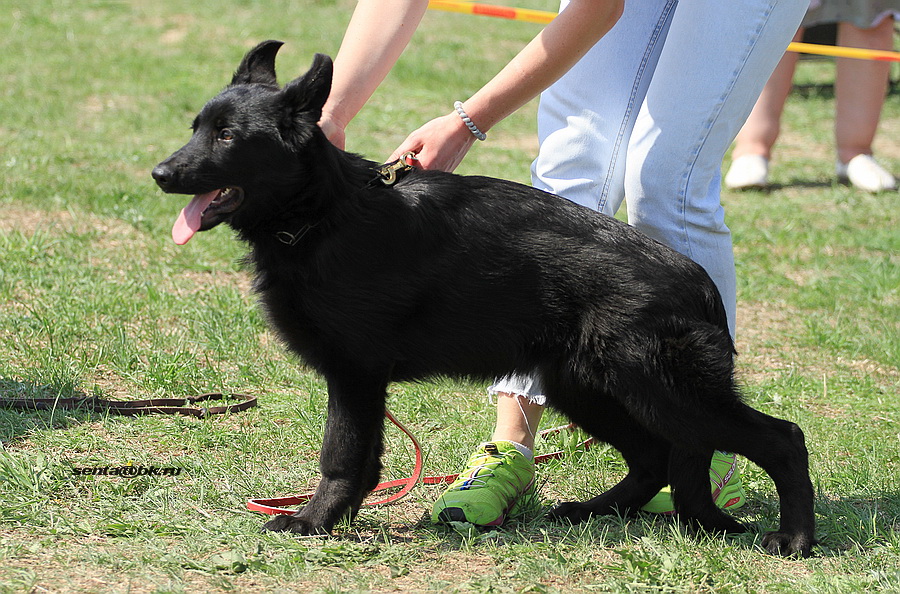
(725, 483)
(496, 477)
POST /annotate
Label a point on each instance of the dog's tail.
(714, 310)
(699, 357)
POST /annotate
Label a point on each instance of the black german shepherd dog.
(446, 275)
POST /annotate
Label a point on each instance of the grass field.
(95, 299)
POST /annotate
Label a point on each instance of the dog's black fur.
(472, 276)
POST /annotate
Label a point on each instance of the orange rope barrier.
(544, 17)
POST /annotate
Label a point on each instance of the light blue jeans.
(649, 113)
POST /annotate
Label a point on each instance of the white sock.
(525, 451)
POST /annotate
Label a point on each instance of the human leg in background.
(517, 419)
(695, 105)
(860, 89)
(585, 120)
(753, 145)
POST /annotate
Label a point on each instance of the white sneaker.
(866, 174)
(748, 171)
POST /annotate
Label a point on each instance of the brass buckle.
(389, 171)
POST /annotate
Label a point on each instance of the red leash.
(276, 505)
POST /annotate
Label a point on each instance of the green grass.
(95, 299)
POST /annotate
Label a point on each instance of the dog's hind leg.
(350, 459)
(689, 477)
(646, 455)
(641, 483)
(779, 448)
(697, 407)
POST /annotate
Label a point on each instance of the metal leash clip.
(390, 173)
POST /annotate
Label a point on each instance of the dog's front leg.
(350, 459)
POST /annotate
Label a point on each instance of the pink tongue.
(188, 221)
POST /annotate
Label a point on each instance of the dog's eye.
(226, 134)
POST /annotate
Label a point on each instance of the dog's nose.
(163, 174)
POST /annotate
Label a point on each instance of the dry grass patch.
(29, 221)
(762, 338)
(767, 345)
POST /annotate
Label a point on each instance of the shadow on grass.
(16, 423)
(801, 184)
(849, 524)
(844, 525)
(795, 183)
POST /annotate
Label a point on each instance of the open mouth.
(205, 211)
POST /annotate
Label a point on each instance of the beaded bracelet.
(468, 121)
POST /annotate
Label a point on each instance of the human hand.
(333, 130)
(440, 144)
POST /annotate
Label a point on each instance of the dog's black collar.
(387, 174)
(390, 173)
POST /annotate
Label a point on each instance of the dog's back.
(473, 276)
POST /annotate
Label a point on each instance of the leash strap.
(133, 408)
(277, 505)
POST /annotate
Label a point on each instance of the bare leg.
(761, 130)
(860, 89)
(517, 419)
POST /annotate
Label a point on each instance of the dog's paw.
(788, 544)
(720, 523)
(731, 526)
(572, 511)
(294, 525)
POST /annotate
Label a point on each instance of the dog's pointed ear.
(309, 92)
(258, 66)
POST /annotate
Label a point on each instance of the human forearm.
(544, 60)
(378, 33)
(443, 142)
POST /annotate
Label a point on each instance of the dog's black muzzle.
(165, 176)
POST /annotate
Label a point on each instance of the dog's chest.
(304, 308)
